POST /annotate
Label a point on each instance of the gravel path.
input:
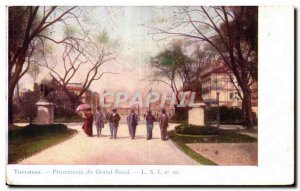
(81, 149)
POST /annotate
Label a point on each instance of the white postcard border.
(276, 127)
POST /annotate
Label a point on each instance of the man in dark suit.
(163, 124)
(114, 119)
(149, 122)
(132, 121)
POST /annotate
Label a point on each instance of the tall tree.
(26, 26)
(86, 61)
(169, 67)
(179, 71)
(232, 31)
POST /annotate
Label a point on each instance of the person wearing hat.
(132, 121)
(88, 122)
(99, 120)
(149, 123)
(163, 124)
(114, 119)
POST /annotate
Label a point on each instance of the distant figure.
(149, 122)
(132, 121)
(163, 124)
(99, 121)
(107, 116)
(88, 123)
(114, 119)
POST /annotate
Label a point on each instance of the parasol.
(83, 106)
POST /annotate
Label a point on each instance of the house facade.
(89, 97)
(217, 80)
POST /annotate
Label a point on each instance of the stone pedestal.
(196, 114)
(45, 112)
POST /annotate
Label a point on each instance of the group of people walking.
(114, 118)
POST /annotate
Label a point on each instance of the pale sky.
(136, 47)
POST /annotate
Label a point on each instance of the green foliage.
(172, 58)
(196, 130)
(34, 130)
(103, 37)
(25, 141)
(167, 60)
(228, 115)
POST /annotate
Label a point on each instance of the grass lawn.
(224, 136)
(24, 142)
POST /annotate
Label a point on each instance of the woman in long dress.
(88, 123)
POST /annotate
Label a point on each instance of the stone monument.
(196, 114)
(45, 109)
(196, 111)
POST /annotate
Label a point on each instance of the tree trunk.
(247, 109)
(11, 87)
(10, 107)
(13, 78)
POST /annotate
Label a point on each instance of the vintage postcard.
(148, 95)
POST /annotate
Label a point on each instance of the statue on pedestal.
(196, 87)
(45, 108)
(196, 113)
(45, 90)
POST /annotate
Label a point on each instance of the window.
(231, 96)
(237, 95)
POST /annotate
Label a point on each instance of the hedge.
(196, 130)
(33, 130)
(228, 115)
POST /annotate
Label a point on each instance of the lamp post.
(218, 110)
(104, 92)
(139, 112)
(149, 96)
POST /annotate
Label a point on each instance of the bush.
(26, 108)
(181, 113)
(60, 112)
(196, 130)
(34, 130)
(227, 115)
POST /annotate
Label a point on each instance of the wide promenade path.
(82, 150)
